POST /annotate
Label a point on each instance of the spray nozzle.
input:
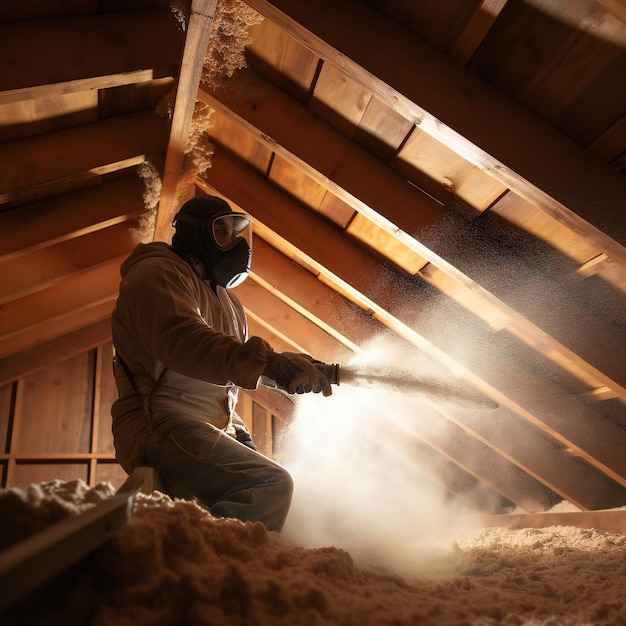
(330, 370)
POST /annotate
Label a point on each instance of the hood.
(154, 250)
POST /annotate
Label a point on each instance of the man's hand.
(297, 373)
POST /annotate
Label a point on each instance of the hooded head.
(221, 239)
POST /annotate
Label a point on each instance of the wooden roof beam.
(464, 113)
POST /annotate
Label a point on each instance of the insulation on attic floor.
(173, 563)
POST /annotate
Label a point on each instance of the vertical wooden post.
(13, 434)
(198, 32)
(95, 416)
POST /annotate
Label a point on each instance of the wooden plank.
(198, 32)
(605, 521)
(54, 351)
(54, 156)
(51, 265)
(32, 562)
(59, 89)
(426, 155)
(60, 218)
(459, 110)
(320, 242)
(49, 51)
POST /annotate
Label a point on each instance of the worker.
(182, 353)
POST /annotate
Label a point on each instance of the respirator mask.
(223, 241)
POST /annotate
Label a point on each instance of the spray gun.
(406, 383)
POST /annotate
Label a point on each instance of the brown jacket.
(167, 317)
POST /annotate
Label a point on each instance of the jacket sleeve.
(162, 309)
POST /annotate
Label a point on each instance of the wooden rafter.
(463, 113)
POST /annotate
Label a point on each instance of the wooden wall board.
(231, 136)
(54, 351)
(289, 178)
(109, 472)
(58, 404)
(382, 130)
(438, 23)
(283, 60)
(550, 72)
(60, 425)
(338, 100)
(26, 473)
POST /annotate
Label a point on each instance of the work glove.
(296, 373)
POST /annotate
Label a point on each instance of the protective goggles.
(224, 229)
(227, 229)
